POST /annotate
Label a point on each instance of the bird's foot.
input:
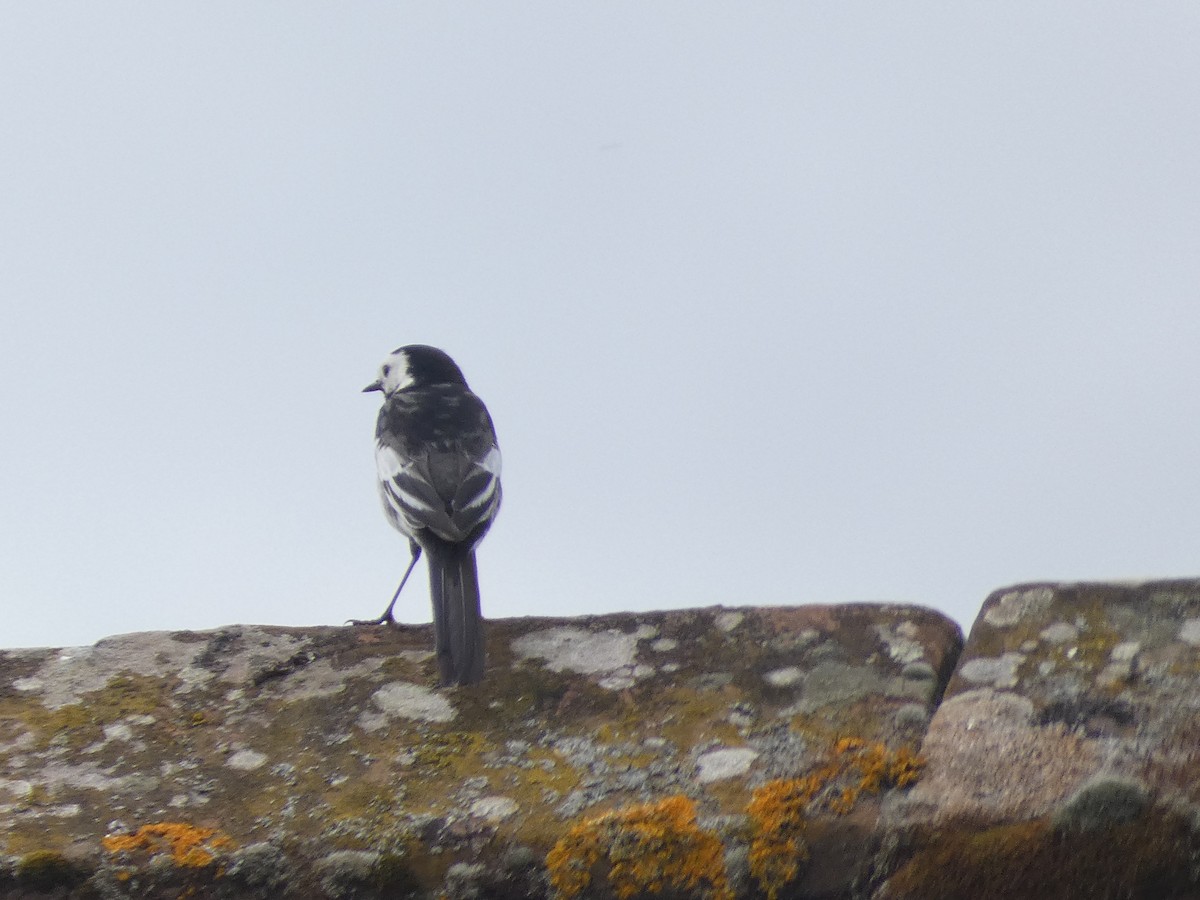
(385, 619)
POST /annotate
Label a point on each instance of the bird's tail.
(457, 620)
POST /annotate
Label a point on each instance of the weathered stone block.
(1063, 759)
(272, 762)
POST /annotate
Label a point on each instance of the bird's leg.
(387, 613)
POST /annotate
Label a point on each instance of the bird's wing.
(449, 492)
(477, 498)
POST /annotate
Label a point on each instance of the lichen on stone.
(610, 654)
(184, 844)
(644, 849)
(780, 810)
(1103, 800)
(1152, 857)
(999, 672)
(345, 873)
(48, 870)
(406, 700)
(261, 866)
(323, 740)
(724, 762)
(1015, 605)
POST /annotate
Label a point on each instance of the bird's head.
(415, 365)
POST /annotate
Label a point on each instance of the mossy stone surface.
(265, 761)
(1062, 761)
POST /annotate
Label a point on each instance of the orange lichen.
(778, 810)
(647, 849)
(878, 766)
(188, 845)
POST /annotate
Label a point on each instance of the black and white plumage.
(439, 479)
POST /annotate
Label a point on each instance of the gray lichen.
(345, 873)
(261, 867)
(1103, 800)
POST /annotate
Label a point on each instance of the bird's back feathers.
(439, 466)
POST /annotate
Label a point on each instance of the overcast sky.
(772, 303)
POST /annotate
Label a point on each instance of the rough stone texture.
(701, 753)
(1063, 760)
(321, 762)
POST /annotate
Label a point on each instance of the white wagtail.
(439, 477)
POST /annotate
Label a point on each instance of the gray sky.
(772, 304)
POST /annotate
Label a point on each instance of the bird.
(438, 463)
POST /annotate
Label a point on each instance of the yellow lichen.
(188, 845)
(646, 849)
(451, 750)
(778, 810)
(878, 766)
(77, 725)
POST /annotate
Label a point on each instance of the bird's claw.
(381, 620)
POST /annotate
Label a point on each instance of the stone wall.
(818, 752)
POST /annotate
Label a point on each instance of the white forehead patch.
(394, 374)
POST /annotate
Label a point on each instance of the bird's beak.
(373, 386)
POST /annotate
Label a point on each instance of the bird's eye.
(386, 371)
